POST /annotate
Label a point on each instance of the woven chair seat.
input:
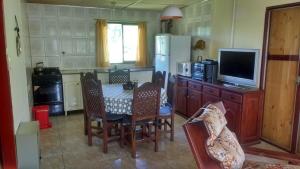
(127, 120)
(109, 117)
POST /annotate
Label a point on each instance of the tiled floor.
(64, 146)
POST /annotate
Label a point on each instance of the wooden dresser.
(243, 106)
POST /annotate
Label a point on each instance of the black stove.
(48, 89)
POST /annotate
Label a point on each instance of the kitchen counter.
(100, 70)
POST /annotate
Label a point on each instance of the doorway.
(281, 76)
(7, 138)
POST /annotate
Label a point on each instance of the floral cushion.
(226, 149)
(214, 120)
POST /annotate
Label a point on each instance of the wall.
(19, 66)
(250, 17)
(54, 29)
(210, 21)
(196, 22)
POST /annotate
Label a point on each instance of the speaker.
(206, 70)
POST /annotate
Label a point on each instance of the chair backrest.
(171, 89)
(84, 76)
(146, 102)
(119, 76)
(197, 136)
(159, 78)
(94, 101)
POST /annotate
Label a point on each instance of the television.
(239, 66)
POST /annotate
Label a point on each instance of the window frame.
(123, 23)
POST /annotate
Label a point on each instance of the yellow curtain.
(141, 58)
(102, 57)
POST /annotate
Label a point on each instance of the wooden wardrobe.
(280, 77)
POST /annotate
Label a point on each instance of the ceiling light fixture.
(171, 12)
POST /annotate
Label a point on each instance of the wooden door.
(181, 100)
(281, 76)
(194, 101)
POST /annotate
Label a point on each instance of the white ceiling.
(131, 4)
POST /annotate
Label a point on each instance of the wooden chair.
(159, 78)
(170, 88)
(166, 113)
(83, 76)
(95, 111)
(197, 135)
(145, 109)
(119, 76)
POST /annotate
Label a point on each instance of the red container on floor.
(41, 114)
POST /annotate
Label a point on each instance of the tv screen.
(239, 64)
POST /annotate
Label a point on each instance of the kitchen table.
(119, 101)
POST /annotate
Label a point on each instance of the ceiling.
(130, 4)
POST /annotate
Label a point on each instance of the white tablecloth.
(119, 101)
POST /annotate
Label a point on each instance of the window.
(122, 42)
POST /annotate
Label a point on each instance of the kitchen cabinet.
(243, 106)
(181, 100)
(194, 101)
(233, 112)
(72, 93)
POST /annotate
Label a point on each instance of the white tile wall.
(51, 46)
(50, 27)
(50, 11)
(36, 59)
(35, 27)
(64, 36)
(66, 46)
(65, 11)
(37, 46)
(65, 27)
(80, 46)
(79, 28)
(197, 22)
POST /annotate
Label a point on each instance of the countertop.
(100, 70)
(224, 85)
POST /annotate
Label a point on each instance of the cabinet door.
(181, 100)
(73, 96)
(194, 101)
(208, 98)
(233, 116)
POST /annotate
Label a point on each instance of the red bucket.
(41, 114)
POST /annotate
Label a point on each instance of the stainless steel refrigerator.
(170, 50)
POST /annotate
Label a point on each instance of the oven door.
(49, 93)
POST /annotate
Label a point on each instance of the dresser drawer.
(232, 96)
(195, 86)
(181, 82)
(211, 90)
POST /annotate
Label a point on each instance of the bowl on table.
(130, 85)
